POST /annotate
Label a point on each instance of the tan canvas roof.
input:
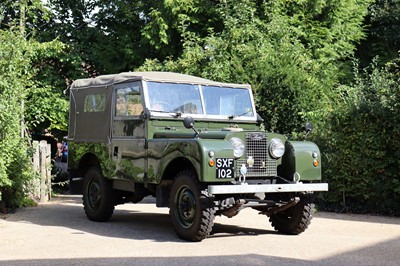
(150, 76)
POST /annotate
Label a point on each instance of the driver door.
(128, 132)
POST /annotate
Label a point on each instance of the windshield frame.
(203, 115)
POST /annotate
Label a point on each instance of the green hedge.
(361, 146)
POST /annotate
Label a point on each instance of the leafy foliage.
(289, 51)
(26, 94)
(14, 71)
(361, 146)
(296, 54)
(383, 39)
(46, 105)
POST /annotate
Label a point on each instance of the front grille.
(257, 147)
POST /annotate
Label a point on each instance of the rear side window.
(94, 103)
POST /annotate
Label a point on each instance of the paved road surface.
(58, 233)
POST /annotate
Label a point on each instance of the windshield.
(227, 101)
(170, 97)
(199, 100)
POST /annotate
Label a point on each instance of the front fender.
(298, 162)
(162, 153)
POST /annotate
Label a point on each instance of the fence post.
(48, 170)
(42, 163)
(42, 166)
(36, 169)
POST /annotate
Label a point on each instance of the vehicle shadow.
(143, 223)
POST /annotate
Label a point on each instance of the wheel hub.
(94, 194)
(186, 205)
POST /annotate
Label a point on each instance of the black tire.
(294, 220)
(98, 196)
(191, 209)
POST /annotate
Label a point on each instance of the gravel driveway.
(58, 233)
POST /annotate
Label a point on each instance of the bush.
(14, 162)
(361, 146)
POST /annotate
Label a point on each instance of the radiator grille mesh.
(257, 148)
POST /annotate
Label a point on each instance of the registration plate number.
(224, 167)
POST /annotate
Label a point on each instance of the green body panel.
(78, 152)
(221, 149)
(130, 159)
(166, 128)
(162, 152)
(298, 159)
(168, 146)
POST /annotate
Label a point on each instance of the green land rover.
(193, 144)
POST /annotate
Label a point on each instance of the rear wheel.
(190, 208)
(294, 220)
(98, 196)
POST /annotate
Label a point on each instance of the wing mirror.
(188, 122)
(309, 127)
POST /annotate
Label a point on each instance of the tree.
(383, 39)
(24, 97)
(114, 36)
(45, 94)
(14, 70)
(106, 34)
(289, 51)
(296, 54)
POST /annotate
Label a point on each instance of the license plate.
(224, 167)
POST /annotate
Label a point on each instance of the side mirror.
(309, 127)
(188, 122)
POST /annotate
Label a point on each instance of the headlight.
(276, 148)
(238, 147)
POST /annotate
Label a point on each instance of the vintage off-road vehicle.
(194, 144)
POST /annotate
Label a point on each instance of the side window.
(94, 103)
(128, 101)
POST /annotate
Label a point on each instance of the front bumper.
(245, 188)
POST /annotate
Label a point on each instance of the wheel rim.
(185, 203)
(94, 194)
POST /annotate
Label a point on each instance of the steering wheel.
(161, 106)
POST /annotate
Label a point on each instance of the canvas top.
(105, 80)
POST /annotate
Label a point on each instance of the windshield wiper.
(245, 113)
(175, 114)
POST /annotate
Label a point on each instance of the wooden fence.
(42, 167)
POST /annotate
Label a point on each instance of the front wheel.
(98, 196)
(190, 208)
(294, 220)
